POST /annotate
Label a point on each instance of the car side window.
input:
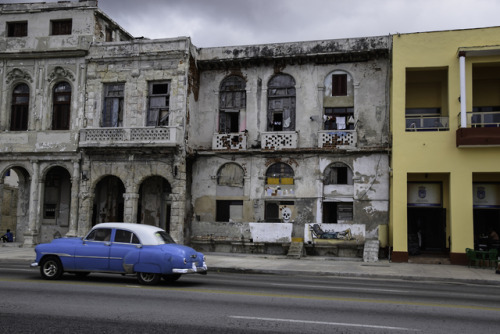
(100, 234)
(123, 236)
(126, 237)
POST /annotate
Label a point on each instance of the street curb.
(352, 275)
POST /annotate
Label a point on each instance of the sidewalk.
(326, 266)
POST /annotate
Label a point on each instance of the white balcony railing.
(149, 136)
(229, 141)
(427, 123)
(279, 140)
(337, 138)
(482, 119)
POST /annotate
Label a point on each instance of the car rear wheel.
(148, 278)
(172, 277)
(51, 268)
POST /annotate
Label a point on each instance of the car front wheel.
(51, 268)
(148, 278)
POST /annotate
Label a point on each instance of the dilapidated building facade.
(291, 143)
(240, 149)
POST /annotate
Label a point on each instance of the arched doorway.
(154, 202)
(108, 201)
(15, 201)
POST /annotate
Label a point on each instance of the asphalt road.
(238, 303)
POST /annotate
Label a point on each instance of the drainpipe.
(463, 105)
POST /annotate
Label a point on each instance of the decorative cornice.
(59, 73)
(18, 74)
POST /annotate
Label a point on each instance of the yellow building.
(445, 121)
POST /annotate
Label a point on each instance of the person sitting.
(8, 237)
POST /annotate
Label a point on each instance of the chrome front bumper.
(34, 264)
(193, 270)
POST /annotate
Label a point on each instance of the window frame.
(115, 98)
(61, 109)
(17, 29)
(339, 84)
(158, 115)
(281, 103)
(223, 210)
(280, 173)
(61, 27)
(338, 173)
(232, 100)
(19, 113)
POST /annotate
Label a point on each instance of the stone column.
(1, 201)
(131, 207)
(75, 191)
(85, 214)
(31, 236)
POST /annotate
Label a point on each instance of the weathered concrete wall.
(367, 159)
(138, 64)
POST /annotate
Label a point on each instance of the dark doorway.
(486, 221)
(426, 230)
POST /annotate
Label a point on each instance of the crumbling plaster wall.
(368, 160)
(136, 64)
(370, 79)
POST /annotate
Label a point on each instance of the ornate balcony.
(130, 137)
(279, 140)
(337, 139)
(229, 141)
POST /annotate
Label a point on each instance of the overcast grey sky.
(239, 22)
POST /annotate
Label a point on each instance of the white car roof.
(145, 233)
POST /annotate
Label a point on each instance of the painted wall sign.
(424, 194)
(486, 195)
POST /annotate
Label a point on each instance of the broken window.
(230, 175)
(232, 99)
(279, 173)
(109, 35)
(228, 211)
(61, 27)
(61, 106)
(338, 173)
(339, 85)
(112, 114)
(339, 118)
(20, 108)
(17, 29)
(159, 101)
(281, 103)
(337, 212)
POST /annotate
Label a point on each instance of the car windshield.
(164, 238)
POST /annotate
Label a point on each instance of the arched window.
(61, 106)
(281, 103)
(232, 99)
(231, 175)
(20, 108)
(338, 173)
(279, 173)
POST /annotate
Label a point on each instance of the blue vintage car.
(122, 248)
